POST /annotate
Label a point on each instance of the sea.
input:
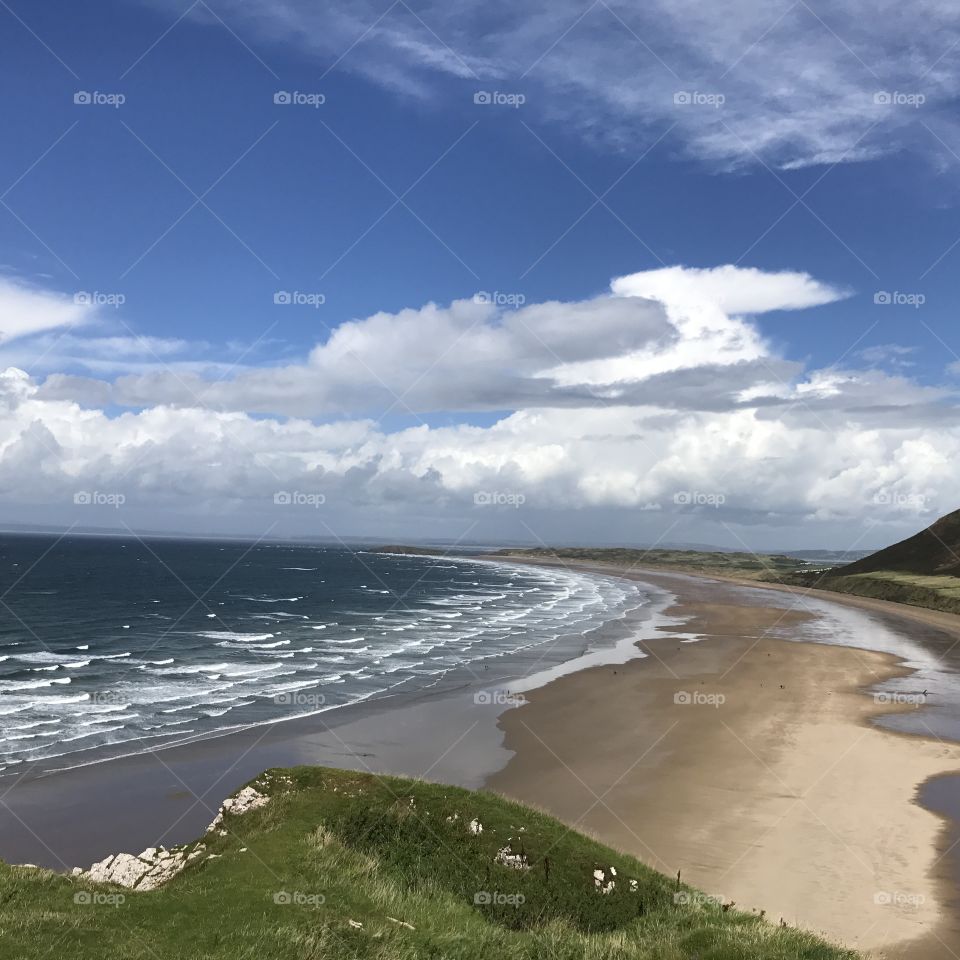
(118, 645)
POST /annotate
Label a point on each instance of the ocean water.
(111, 646)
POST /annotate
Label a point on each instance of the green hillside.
(934, 552)
(923, 570)
(341, 865)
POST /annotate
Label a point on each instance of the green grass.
(748, 565)
(916, 589)
(353, 847)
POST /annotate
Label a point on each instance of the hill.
(933, 552)
(923, 570)
(344, 865)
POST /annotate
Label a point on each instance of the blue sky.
(199, 198)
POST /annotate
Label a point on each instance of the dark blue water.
(118, 645)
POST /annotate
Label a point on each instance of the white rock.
(150, 870)
(156, 866)
(247, 799)
(124, 869)
(476, 827)
(164, 870)
(507, 858)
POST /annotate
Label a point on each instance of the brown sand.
(782, 797)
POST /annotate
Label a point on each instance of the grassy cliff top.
(344, 865)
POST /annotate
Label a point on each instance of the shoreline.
(697, 815)
(168, 796)
(81, 812)
(925, 615)
(557, 654)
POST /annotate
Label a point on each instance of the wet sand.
(77, 816)
(751, 765)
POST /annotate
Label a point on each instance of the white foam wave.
(239, 637)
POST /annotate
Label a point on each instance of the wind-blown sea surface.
(115, 645)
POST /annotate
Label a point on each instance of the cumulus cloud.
(784, 83)
(618, 412)
(476, 356)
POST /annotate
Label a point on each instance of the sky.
(589, 272)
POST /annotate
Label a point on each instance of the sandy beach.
(750, 764)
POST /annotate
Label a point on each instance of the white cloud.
(471, 356)
(27, 310)
(619, 409)
(728, 289)
(800, 81)
(109, 355)
(894, 354)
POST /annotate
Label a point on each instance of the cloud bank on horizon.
(660, 397)
(784, 83)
